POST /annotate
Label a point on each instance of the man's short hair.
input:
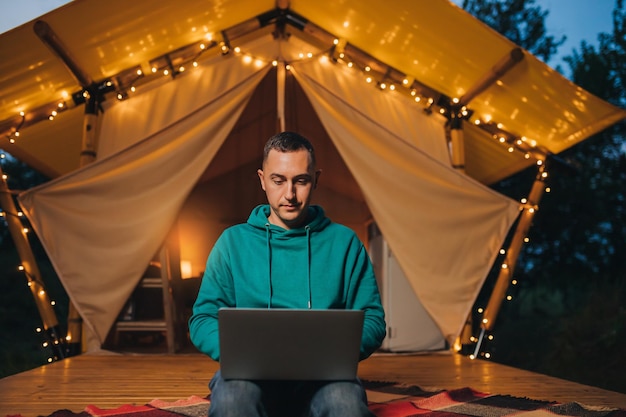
(289, 142)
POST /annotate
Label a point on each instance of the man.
(287, 255)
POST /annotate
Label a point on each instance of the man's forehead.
(293, 160)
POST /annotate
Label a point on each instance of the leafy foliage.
(520, 21)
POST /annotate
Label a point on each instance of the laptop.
(289, 344)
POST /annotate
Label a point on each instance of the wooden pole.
(512, 254)
(88, 155)
(457, 141)
(457, 157)
(29, 266)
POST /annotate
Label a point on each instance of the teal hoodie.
(256, 264)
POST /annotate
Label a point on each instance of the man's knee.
(340, 399)
(234, 397)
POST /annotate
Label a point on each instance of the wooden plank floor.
(110, 380)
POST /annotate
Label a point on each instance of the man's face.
(288, 182)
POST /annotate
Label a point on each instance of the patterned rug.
(386, 400)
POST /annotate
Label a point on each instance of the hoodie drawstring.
(308, 250)
(269, 266)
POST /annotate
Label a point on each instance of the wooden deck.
(109, 380)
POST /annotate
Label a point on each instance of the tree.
(520, 21)
(573, 273)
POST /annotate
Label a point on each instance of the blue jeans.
(241, 398)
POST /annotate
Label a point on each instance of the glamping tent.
(415, 107)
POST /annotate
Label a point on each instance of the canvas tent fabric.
(420, 204)
(102, 223)
(434, 42)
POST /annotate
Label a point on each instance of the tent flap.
(444, 228)
(101, 225)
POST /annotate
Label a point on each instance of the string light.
(531, 209)
(36, 286)
(225, 48)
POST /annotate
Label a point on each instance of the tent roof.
(441, 50)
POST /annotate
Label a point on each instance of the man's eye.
(278, 182)
(302, 181)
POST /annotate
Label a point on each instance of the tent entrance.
(229, 188)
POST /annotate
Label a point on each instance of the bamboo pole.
(31, 270)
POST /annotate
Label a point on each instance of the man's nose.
(290, 193)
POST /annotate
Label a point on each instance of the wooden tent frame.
(455, 110)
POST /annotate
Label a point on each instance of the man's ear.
(261, 178)
(317, 177)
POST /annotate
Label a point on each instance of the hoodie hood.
(317, 221)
